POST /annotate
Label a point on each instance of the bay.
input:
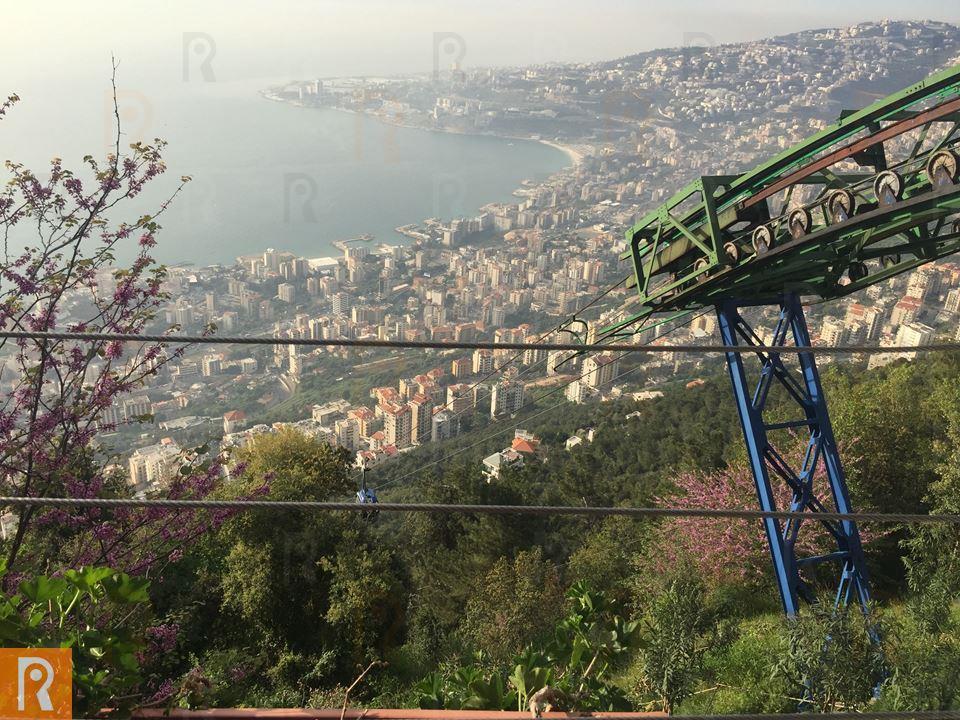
(271, 174)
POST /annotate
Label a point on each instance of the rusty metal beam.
(847, 151)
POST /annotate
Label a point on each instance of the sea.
(267, 173)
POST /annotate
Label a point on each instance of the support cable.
(541, 510)
(436, 345)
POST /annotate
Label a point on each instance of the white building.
(506, 397)
(154, 465)
(556, 357)
(914, 333)
(600, 370)
(833, 332)
(953, 301)
(287, 292)
(212, 365)
(124, 412)
(348, 434)
(330, 411)
(444, 425)
(576, 392)
(494, 464)
(421, 419)
(397, 424)
(482, 362)
(342, 304)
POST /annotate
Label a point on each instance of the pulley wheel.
(857, 271)
(799, 222)
(762, 239)
(888, 187)
(732, 251)
(942, 168)
(841, 205)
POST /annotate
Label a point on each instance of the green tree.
(366, 598)
(887, 424)
(933, 561)
(299, 599)
(924, 662)
(604, 559)
(516, 603)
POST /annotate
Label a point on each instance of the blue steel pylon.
(805, 390)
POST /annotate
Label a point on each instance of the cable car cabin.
(366, 496)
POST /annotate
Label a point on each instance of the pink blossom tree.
(726, 551)
(58, 271)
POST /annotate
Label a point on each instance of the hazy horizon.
(299, 38)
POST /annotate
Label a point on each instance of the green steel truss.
(868, 197)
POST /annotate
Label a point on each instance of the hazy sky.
(302, 38)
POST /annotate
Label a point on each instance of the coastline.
(575, 155)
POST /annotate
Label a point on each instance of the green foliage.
(365, 598)
(604, 559)
(467, 688)
(673, 642)
(589, 645)
(515, 604)
(924, 662)
(832, 662)
(742, 672)
(285, 607)
(471, 611)
(89, 611)
(577, 661)
(889, 424)
(933, 560)
(294, 466)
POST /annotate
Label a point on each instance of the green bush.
(924, 663)
(832, 662)
(673, 642)
(742, 673)
(90, 611)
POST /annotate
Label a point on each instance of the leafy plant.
(68, 612)
(924, 662)
(585, 645)
(832, 661)
(673, 642)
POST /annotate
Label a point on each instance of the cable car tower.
(867, 198)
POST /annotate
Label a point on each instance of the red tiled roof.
(524, 446)
(908, 301)
(394, 408)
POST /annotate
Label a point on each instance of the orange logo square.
(36, 683)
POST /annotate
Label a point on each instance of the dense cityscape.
(514, 271)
